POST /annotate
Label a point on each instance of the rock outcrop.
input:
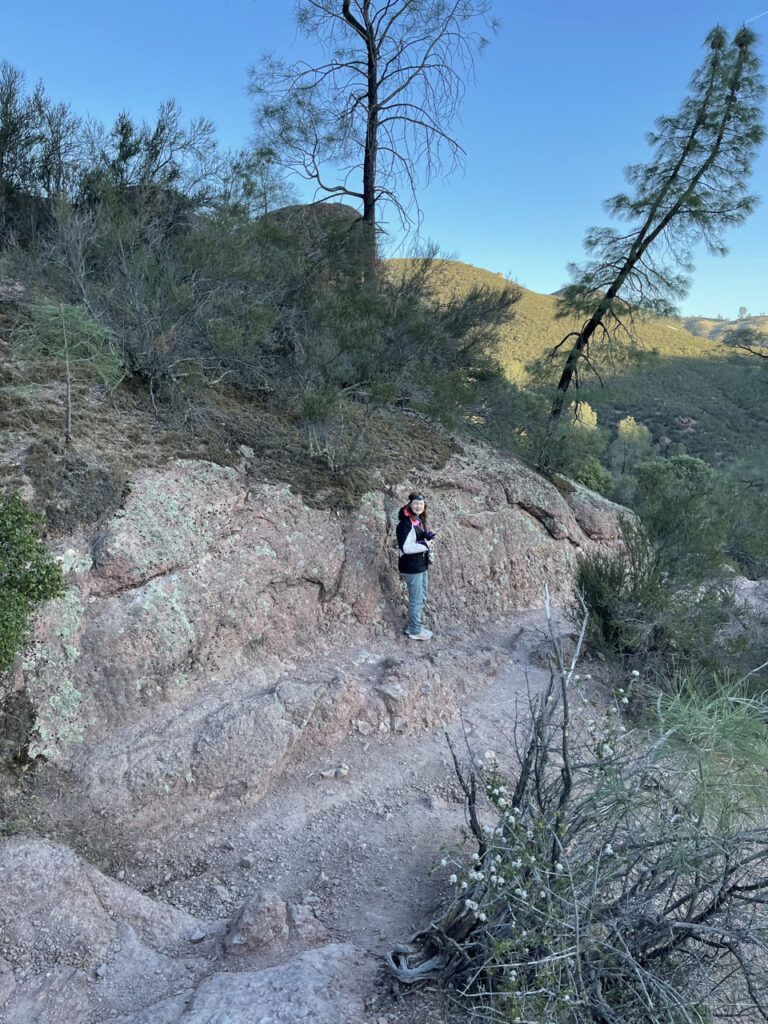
(169, 669)
(86, 947)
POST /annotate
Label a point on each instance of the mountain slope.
(688, 388)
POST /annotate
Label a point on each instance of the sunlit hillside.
(533, 331)
(690, 390)
(706, 327)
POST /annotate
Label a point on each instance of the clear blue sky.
(563, 98)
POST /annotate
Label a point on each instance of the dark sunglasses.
(418, 497)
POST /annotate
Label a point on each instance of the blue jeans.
(418, 587)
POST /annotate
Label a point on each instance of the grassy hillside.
(533, 331)
(686, 387)
(705, 327)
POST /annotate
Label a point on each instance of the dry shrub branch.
(618, 878)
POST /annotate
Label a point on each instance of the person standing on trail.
(414, 542)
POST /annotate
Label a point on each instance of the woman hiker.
(414, 541)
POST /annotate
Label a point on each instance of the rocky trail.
(242, 778)
(278, 908)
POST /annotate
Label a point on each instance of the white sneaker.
(425, 634)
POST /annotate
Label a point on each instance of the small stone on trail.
(436, 803)
(227, 845)
(364, 728)
(101, 970)
(342, 771)
(120, 875)
(197, 936)
(246, 862)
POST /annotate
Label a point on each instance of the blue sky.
(563, 98)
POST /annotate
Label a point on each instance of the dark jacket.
(413, 547)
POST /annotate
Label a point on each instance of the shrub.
(28, 574)
(616, 878)
(677, 500)
(626, 596)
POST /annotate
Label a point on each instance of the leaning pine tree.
(692, 189)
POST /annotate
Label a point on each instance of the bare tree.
(380, 108)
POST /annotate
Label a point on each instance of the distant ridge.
(707, 327)
(533, 331)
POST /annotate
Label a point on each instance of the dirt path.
(355, 828)
(342, 837)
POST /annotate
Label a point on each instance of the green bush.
(28, 574)
(673, 629)
(626, 596)
(678, 500)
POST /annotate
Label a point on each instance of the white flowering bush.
(606, 885)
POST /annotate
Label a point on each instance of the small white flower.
(607, 751)
(502, 802)
(625, 700)
(470, 904)
(498, 831)
(502, 789)
(488, 829)
(497, 858)
(529, 833)
(498, 879)
(635, 673)
(587, 676)
(479, 763)
(452, 880)
(577, 677)
(558, 867)
(443, 862)
(475, 856)
(521, 893)
(481, 917)
(620, 690)
(463, 886)
(490, 755)
(543, 894)
(608, 849)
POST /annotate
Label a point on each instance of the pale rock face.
(322, 985)
(93, 948)
(67, 919)
(166, 668)
(211, 627)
